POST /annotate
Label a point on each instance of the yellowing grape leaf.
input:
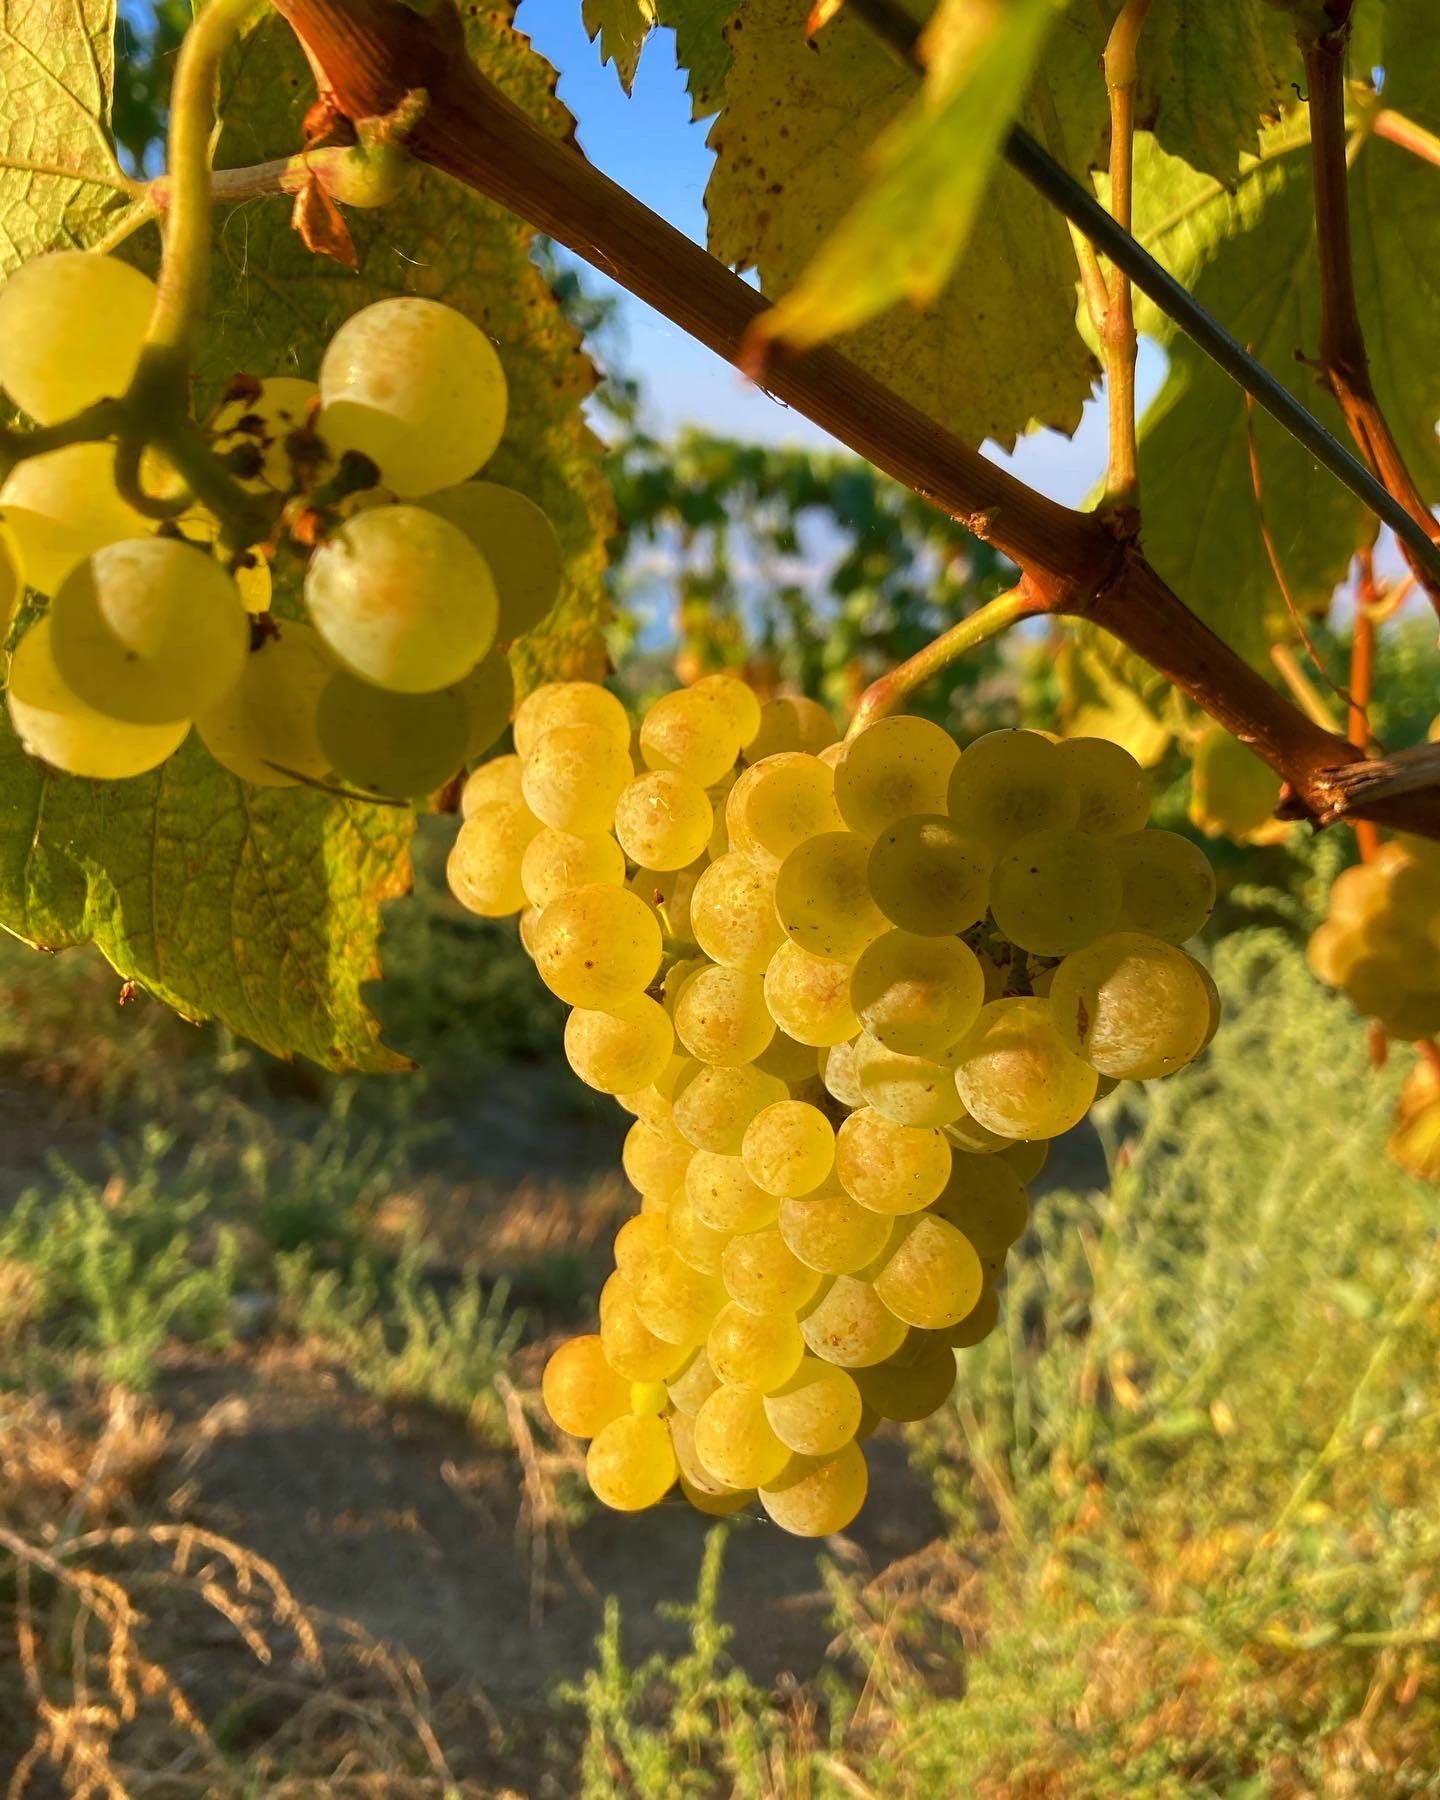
(622, 27)
(928, 173)
(59, 181)
(262, 908)
(1107, 692)
(1248, 254)
(999, 348)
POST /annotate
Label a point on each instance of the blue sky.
(648, 144)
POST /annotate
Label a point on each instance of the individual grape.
(1027, 1159)
(677, 1303)
(736, 699)
(582, 1393)
(815, 1411)
(754, 1350)
(829, 1232)
(55, 725)
(723, 1195)
(1009, 784)
(809, 996)
(518, 544)
(762, 1274)
(985, 1199)
(907, 1090)
(256, 428)
(918, 995)
(417, 388)
(697, 1484)
(404, 745)
(631, 1348)
(789, 1148)
(893, 769)
(573, 778)
(655, 1104)
(558, 862)
(791, 723)
(631, 1463)
(691, 732)
(1212, 995)
(402, 599)
(839, 1074)
(912, 1384)
(72, 325)
(851, 1326)
(693, 1241)
(149, 631)
(720, 1017)
(977, 1324)
(1168, 884)
(1016, 1074)
(649, 1399)
(1133, 1006)
(597, 946)
(822, 896)
(569, 703)
(488, 695)
(655, 1162)
(498, 779)
(693, 1385)
(779, 803)
(62, 506)
(734, 1441)
(1054, 891)
(265, 729)
(641, 1244)
(675, 978)
(716, 1104)
(663, 819)
(818, 1498)
(928, 877)
(619, 1050)
(931, 1275)
(732, 914)
(1114, 790)
(484, 865)
(890, 1168)
(975, 1139)
(1233, 793)
(788, 1059)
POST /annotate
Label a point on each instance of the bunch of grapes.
(847, 991)
(420, 578)
(1380, 942)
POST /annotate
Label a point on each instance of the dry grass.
(145, 1659)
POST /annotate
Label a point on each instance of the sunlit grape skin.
(71, 328)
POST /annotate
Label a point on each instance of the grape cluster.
(847, 990)
(1380, 941)
(420, 578)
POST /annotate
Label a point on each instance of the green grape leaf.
(256, 906)
(929, 171)
(622, 27)
(700, 47)
(1211, 73)
(999, 348)
(1105, 691)
(59, 181)
(1248, 254)
(262, 908)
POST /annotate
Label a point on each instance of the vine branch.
(906, 679)
(371, 52)
(1031, 161)
(1117, 325)
(1344, 364)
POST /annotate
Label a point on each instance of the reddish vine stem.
(1344, 364)
(371, 53)
(1362, 682)
(1430, 1052)
(1117, 326)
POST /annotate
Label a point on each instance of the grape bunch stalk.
(848, 991)
(418, 576)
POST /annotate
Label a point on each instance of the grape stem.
(1344, 364)
(1117, 324)
(370, 53)
(906, 679)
